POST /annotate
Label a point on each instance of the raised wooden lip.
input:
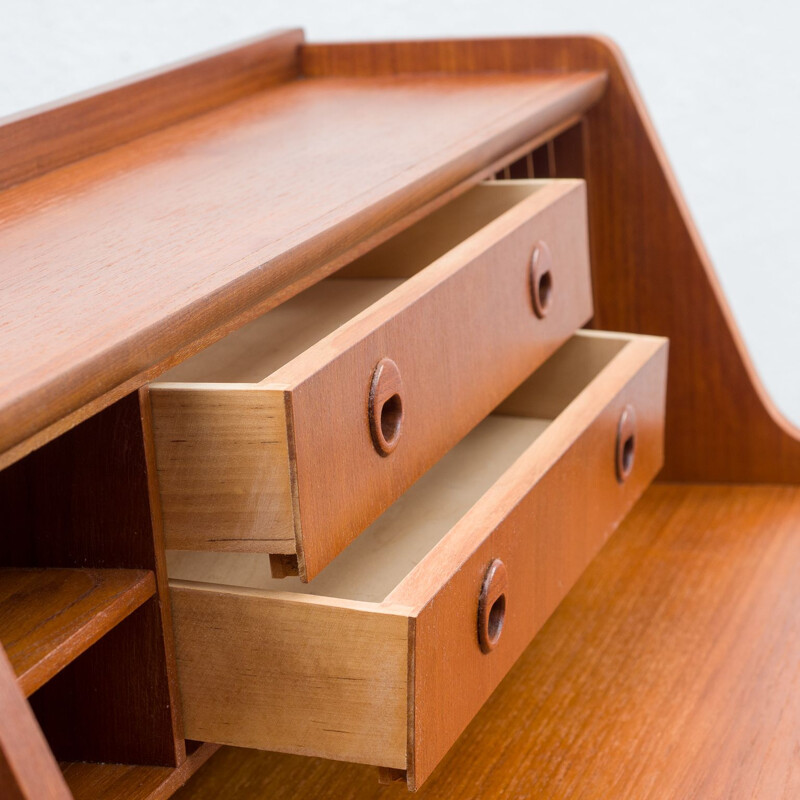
(732, 415)
(146, 102)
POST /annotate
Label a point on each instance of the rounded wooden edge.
(492, 604)
(386, 406)
(625, 451)
(541, 279)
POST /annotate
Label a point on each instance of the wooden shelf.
(670, 670)
(131, 782)
(48, 617)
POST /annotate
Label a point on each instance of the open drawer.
(388, 654)
(292, 434)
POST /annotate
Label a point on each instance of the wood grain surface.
(42, 139)
(222, 455)
(384, 554)
(48, 617)
(670, 670)
(545, 535)
(84, 500)
(462, 333)
(284, 666)
(299, 674)
(651, 271)
(89, 781)
(222, 459)
(107, 289)
(28, 770)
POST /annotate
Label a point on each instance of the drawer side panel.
(299, 677)
(223, 468)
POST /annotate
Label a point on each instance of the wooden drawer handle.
(626, 443)
(492, 605)
(386, 406)
(541, 279)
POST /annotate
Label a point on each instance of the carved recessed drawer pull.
(492, 605)
(386, 406)
(541, 279)
(626, 443)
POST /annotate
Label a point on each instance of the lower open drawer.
(387, 655)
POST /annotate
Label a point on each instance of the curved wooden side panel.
(651, 271)
(28, 770)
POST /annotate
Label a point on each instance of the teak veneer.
(228, 229)
(669, 671)
(650, 269)
(48, 617)
(89, 781)
(144, 222)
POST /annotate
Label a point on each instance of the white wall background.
(722, 82)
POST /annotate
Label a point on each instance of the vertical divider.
(28, 770)
(569, 152)
(160, 568)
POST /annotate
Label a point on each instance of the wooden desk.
(144, 222)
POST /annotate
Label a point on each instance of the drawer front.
(461, 336)
(544, 537)
(394, 682)
(301, 463)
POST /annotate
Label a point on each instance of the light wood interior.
(371, 567)
(562, 377)
(389, 548)
(255, 351)
(410, 251)
(252, 353)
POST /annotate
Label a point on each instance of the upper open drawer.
(386, 656)
(294, 433)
